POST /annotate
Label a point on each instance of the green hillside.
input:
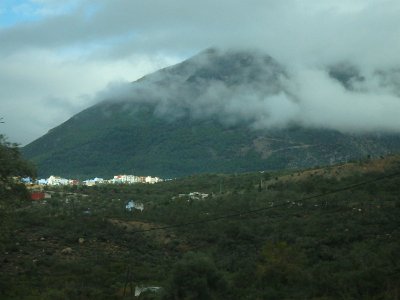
(142, 136)
(326, 233)
(108, 139)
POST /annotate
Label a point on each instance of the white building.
(134, 205)
(125, 179)
(141, 289)
(42, 182)
(56, 180)
(197, 196)
(152, 180)
(94, 181)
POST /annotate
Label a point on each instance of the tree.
(281, 271)
(195, 277)
(12, 165)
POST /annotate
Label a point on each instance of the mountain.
(181, 120)
(323, 233)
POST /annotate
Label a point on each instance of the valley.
(321, 233)
(199, 150)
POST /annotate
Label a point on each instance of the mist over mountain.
(231, 87)
(249, 86)
(226, 111)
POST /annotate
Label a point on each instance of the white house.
(125, 179)
(42, 182)
(152, 180)
(134, 205)
(56, 180)
(197, 196)
(142, 289)
(94, 181)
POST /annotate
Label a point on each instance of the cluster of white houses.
(118, 179)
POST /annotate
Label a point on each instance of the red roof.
(37, 196)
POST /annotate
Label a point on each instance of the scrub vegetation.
(313, 234)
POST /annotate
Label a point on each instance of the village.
(117, 179)
(37, 192)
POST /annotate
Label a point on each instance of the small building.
(26, 180)
(36, 196)
(141, 289)
(73, 182)
(56, 180)
(197, 196)
(134, 205)
(129, 179)
(42, 182)
(40, 195)
(152, 180)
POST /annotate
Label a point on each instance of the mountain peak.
(194, 117)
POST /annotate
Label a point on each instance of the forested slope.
(325, 233)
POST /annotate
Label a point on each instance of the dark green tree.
(12, 167)
(281, 271)
(195, 277)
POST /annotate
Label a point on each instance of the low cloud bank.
(252, 88)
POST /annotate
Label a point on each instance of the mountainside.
(323, 233)
(177, 122)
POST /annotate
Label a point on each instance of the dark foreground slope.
(168, 125)
(328, 233)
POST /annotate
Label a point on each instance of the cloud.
(248, 87)
(289, 29)
(326, 103)
(39, 89)
(66, 50)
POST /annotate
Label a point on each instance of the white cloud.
(39, 89)
(307, 96)
(326, 103)
(74, 48)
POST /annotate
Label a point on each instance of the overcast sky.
(55, 56)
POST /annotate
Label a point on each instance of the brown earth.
(381, 165)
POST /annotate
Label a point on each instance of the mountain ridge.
(179, 121)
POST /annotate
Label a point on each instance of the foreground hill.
(146, 129)
(325, 233)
